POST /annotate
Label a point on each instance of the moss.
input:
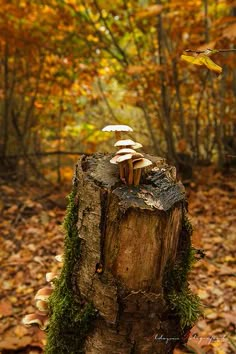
(70, 316)
(186, 305)
(182, 301)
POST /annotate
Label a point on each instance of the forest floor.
(31, 235)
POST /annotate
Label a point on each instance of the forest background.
(70, 67)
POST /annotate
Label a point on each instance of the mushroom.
(120, 158)
(136, 156)
(117, 129)
(121, 167)
(43, 294)
(127, 143)
(35, 318)
(125, 151)
(137, 146)
(114, 159)
(51, 276)
(59, 258)
(123, 159)
(42, 306)
(138, 165)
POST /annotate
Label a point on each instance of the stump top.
(158, 189)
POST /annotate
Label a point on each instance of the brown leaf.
(230, 32)
(5, 308)
(20, 331)
(8, 189)
(11, 343)
(12, 209)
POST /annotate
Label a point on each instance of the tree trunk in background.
(131, 239)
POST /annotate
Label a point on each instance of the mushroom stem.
(137, 176)
(118, 135)
(130, 172)
(122, 171)
(126, 167)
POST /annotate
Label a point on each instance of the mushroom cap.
(117, 128)
(137, 156)
(43, 294)
(59, 258)
(51, 276)
(42, 306)
(124, 158)
(125, 151)
(142, 163)
(35, 318)
(136, 160)
(114, 159)
(137, 146)
(126, 142)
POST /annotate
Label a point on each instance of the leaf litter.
(212, 210)
(31, 236)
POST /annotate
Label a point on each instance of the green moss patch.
(182, 301)
(70, 316)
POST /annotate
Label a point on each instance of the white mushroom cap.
(43, 294)
(114, 159)
(117, 128)
(125, 151)
(35, 318)
(42, 306)
(124, 158)
(59, 258)
(132, 154)
(142, 163)
(137, 146)
(127, 142)
(51, 276)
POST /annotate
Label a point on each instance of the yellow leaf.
(192, 60)
(210, 64)
(202, 60)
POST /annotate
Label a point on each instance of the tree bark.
(129, 236)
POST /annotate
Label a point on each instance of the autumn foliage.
(69, 67)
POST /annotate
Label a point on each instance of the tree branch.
(213, 50)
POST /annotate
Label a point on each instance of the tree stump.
(133, 243)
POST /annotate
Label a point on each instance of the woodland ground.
(31, 235)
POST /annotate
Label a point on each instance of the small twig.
(19, 215)
(208, 49)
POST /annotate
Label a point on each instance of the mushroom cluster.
(130, 161)
(40, 317)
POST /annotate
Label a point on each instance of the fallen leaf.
(20, 331)
(5, 308)
(12, 343)
(203, 294)
(231, 283)
(228, 317)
